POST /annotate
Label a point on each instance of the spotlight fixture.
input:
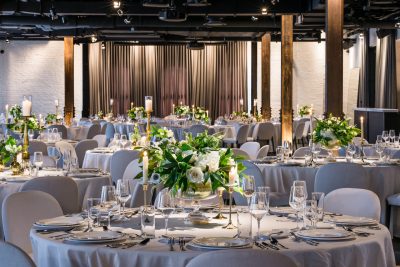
(196, 3)
(253, 18)
(361, 36)
(116, 4)
(120, 12)
(274, 2)
(213, 22)
(397, 25)
(128, 20)
(7, 41)
(93, 38)
(53, 13)
(299, 20)
(156, 3)
(172, 15)
(264, 10)
(103, 46)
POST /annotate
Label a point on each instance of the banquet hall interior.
(200, 132)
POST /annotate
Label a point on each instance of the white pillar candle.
(26, 108)
(207, 113)
(241, 101)
(362, 128)
(131, 105)
(148, 104)
(40, 120)
(232, 175)
(181, 103)
(173, 109)
(311, 126)
(56, 102)
(193, 110)
(145, 167)
(255, 102)
(111, 102)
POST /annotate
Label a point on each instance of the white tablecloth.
(97, 160)
(375, 250)
(383, 180)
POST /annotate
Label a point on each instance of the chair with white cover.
(298, 134)
(48, 162)
(82, 147)
(263, 152)
(370, 152)
(14, 256)
(251, 148)
(393, 202)
(241, 136)
(61, 129)
(37, 146)
(396, 155)
(353, 202)
(306, 130)
(240, 258)
(119, 161)
(93, 131)
(253, 136)
(253, 170)
(63, 189)
(240, 153)
(265, 134)
(340, 175)
(110, 131)
(103, 129)
(101, 140)
(301, 152)
(197, 129)
(20, 210)
(65, 147)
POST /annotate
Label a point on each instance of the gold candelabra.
(230, 224)
(25, 147)
(220, 216)
(148, 126)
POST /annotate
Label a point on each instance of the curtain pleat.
(214, 78)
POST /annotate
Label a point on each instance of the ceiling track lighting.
(7, 41)
(116, 4)
(103, 46)
(120, 12)
(254, 18)
(195, 45)
(156, 3)
(93, 39)
(53, 13)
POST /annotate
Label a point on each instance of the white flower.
(195, 175)
(213, 161)
(13, 149)
(328, 134)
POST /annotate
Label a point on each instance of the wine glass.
(351, 150)
(258, 208)
(248, 186)
(303, 184)
(38, 160)
(379, 138)
(124, 140)
(315, 149)
(392, 134)
(296, 200)
(310, 212)
(319, 198)
(385, 136)
(164, 203)
(31, 133)
(108, 200)
(56, 155)
(93, 206)
(379, 149)
(116, 139)
(280, 154)
(267, 191)
(123, 193)
(287, 149)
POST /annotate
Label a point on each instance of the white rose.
(195, 175)
(213, 161)
(201, 162)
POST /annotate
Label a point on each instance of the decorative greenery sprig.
(305, 110)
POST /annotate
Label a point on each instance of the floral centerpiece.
(100, 114)
(201, 114)
(50, 118)
(19, 122)
(305, 110)
(135, 135)
(9, 149)
(195, 166)
(181, 110)
(16, 112)
(334, 132)
(136, 113)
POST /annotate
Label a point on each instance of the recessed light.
(116, 4)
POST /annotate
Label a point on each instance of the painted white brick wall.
(37, 68)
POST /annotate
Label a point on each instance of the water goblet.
(258, 209)
(248, 186)
(38, 160)
(165, 204)
(123, 193)
(108, 200)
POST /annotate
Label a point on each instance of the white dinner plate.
(352, 221)
(95, 237)
(282, 211)
(326, 234)
(221, 242)
(61, 221)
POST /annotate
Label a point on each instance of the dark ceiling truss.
(218, 20)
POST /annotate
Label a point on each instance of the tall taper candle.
(145, 167)
(362, 128)
(148, 104)
(7, 113)
(173, 109)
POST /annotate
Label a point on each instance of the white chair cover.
(353, 202)
(65, 147)
(251, 148)
(61, 129)
(253, 170)
(101, 140)
(37, 146)
(240, 258)
(82, 147)
(13, 256)
(241, 153)
(396, 155)
(48, 162)
(93, 131)
(103, 129)
(263, 152)
(241, 136)
(20, 210)
(119, 161)
(306, 129)
(63, 189)
(197, 129)
(301, 152)
(266, 132)
(370, 152)
(340, 175)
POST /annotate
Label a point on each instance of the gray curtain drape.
(214, 78)
(364, 86)
(385, 82)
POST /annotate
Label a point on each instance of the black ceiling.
(227, 19)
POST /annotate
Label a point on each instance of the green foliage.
(134, 112)
(181, 110)
(9, 149)
(305, 110)
(51, 118)
(201, 114)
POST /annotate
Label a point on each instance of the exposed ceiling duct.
(194, 45)
(156, 3)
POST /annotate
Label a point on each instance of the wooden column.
(287, 77)
(69, 109)
(334, 58)
(266, 76)
(253, 74)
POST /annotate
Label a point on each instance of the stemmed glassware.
(116, 140)
(385, 136)
(297, 198)
(287, 149)
(108, 200)
(249, 187)
(392, 134)
(379, 149)
(351, 150)
(315, 149)
(124, 140)
(93, 207)
(56, 155)
(123, 193)
(258, 208)
(165, 204)
(31, 133)
(38, 160)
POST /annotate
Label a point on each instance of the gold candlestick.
(25, 147)
(219, 215)
(145, 188)
(230, 224)
(148, 126)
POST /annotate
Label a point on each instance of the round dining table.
(361, 251)
(98, 159)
